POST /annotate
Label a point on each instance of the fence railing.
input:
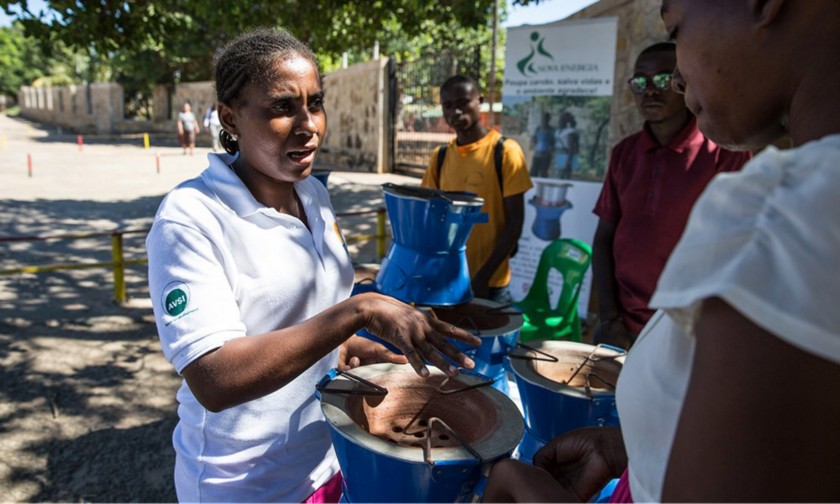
(118, 261)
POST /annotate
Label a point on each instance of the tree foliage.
(172, 40)
(23, 62)
(146, 42)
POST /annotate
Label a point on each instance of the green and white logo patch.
(528, 65)
(176, 298)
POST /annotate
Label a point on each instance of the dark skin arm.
(514, 217)
(611, 329)
(250, 367)
(759, 421)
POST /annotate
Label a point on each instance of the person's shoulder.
(192, 201)
(629, 143)
(510, 144)
(184, 199)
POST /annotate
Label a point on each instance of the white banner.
(557, 98)
(567, 58)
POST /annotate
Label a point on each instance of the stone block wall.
(199, 95)
(356, 100)
(96, 107)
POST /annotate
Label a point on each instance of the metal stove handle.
(427, 445)
(484, 381)
(322, 386)
(525, 356)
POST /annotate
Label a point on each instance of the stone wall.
(639, 25)
(200, 96)
(356, 103)
(97, 107)
(356, 99)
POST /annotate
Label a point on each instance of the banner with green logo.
(557, 97)
(568, 58)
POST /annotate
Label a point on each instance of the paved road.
(87, 401)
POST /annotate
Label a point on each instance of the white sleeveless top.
(767, 241)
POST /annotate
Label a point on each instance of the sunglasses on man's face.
(660, 81)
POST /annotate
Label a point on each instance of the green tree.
(178, 38)
(21, 60)
(146, 42)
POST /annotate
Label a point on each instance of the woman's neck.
(272, 193)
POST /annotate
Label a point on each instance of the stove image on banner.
(550, 202)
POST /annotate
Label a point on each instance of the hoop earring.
(230, 142)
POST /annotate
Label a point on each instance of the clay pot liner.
(469, 413)
(603, 369)
(487, 317)
(482, 417)
(569, 361)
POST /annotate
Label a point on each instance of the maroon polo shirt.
(648, 193)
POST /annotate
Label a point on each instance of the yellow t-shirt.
(472, 168)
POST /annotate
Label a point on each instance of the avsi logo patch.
(526, 64)
(176, 298)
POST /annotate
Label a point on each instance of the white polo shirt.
(223, 266)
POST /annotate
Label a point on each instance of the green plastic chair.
(571, 258)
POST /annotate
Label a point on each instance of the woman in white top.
(250, 277)
(731, 391)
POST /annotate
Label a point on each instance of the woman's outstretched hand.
(358, 351)
(420, 338)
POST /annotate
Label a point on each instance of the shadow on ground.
(112, 465)
(87, 401)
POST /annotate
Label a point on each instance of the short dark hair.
(459, 79)
(249, 58)
(658, 47)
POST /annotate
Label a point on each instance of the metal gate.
(418, 123)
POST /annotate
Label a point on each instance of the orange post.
(157, 162)
(79, 141)
(29, 164)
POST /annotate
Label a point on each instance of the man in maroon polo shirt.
(654, 178)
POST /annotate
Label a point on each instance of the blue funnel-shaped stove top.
(427, 262)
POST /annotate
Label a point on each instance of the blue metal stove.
(427, 262)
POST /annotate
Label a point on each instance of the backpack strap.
(498, 157)
(440, 157)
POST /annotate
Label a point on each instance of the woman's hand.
(584, 460)
(420, 337)
(613, 332)
(514, 481)
(358, 351)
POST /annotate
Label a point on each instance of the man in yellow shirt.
(469, 164)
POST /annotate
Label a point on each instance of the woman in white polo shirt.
(250, 280)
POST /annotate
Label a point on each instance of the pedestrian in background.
(187, 128)
(211, 122)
